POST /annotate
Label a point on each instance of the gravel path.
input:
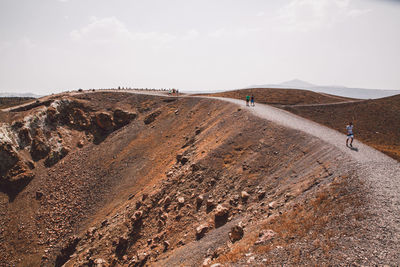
(380, 173)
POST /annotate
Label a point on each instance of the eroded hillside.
(148, 180)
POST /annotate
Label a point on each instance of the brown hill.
(6, 102)
(376, 122)
(117, 179)
(283, 96)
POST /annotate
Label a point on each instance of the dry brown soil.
(131, 198)
(376, 121)
(6, 102)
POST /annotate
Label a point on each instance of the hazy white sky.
(53, 45)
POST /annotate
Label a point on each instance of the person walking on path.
(252, 100)
(350, 135)
(247, 100)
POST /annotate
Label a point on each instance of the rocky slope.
(148, 180)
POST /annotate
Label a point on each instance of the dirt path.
(324, 104)
(380, 173)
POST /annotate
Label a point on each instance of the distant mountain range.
(333, 90)
(19, 95)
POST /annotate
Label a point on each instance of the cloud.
(191, 35)
(112, 30)
(102, 30)
(5, 45)
(308, 15)
(239, 32)
(26, 43)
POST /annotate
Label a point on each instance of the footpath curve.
(380, 173)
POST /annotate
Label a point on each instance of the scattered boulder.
(236, 233)
(152, 117)
(273, 205)
(221, 216)
(166, 245)
(181, 159)
(199, 201)
(244, 195)
(184, 160)
(167, 202)
(234, 200)
(210, 204)
(181, 201)
(80, 144)
(142, 259)
(261, 194)
(138, 215)
(90, 232)
(201, 231)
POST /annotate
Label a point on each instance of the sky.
(48, 46)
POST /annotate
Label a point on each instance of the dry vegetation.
(307, 232)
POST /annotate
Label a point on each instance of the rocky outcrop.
(14, 173)
(67, 251)
(104, 121)
(39, 149)
(55, 156)
(152, 117)
(8, 158)
(24, 137)
(79, 119)
(122, 118)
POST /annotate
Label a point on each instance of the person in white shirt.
(350, 135)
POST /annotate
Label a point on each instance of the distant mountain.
(297, 83)
(333, 90)
(19, 95)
